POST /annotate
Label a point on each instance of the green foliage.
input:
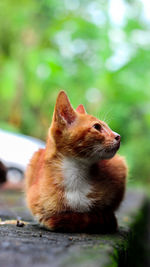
(50, 45)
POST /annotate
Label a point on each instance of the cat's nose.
(118, 137)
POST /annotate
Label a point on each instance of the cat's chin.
(109, 153)
(102, 156)
(98, 155)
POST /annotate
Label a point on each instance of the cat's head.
(77, 134)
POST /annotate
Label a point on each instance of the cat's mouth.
(110, 152)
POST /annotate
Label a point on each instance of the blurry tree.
(98, 51)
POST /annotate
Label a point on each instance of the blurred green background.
(97, 51)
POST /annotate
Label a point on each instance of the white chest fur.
(76, 185)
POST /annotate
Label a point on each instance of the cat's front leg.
(92, 222)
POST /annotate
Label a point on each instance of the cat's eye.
(97, 126)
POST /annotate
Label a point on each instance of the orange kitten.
(77, 182)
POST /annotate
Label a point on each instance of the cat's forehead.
(89, 119)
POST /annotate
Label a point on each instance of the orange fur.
(78, 145)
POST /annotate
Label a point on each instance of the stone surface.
(33, 246)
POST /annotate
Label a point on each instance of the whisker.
(107, 116)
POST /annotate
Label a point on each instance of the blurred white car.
(15, 152)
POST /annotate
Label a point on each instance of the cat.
(77, 182)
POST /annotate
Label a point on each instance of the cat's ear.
(80, 109)
(64, 112)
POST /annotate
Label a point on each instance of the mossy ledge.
(34, 246)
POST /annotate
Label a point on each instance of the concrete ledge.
(33, 246)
